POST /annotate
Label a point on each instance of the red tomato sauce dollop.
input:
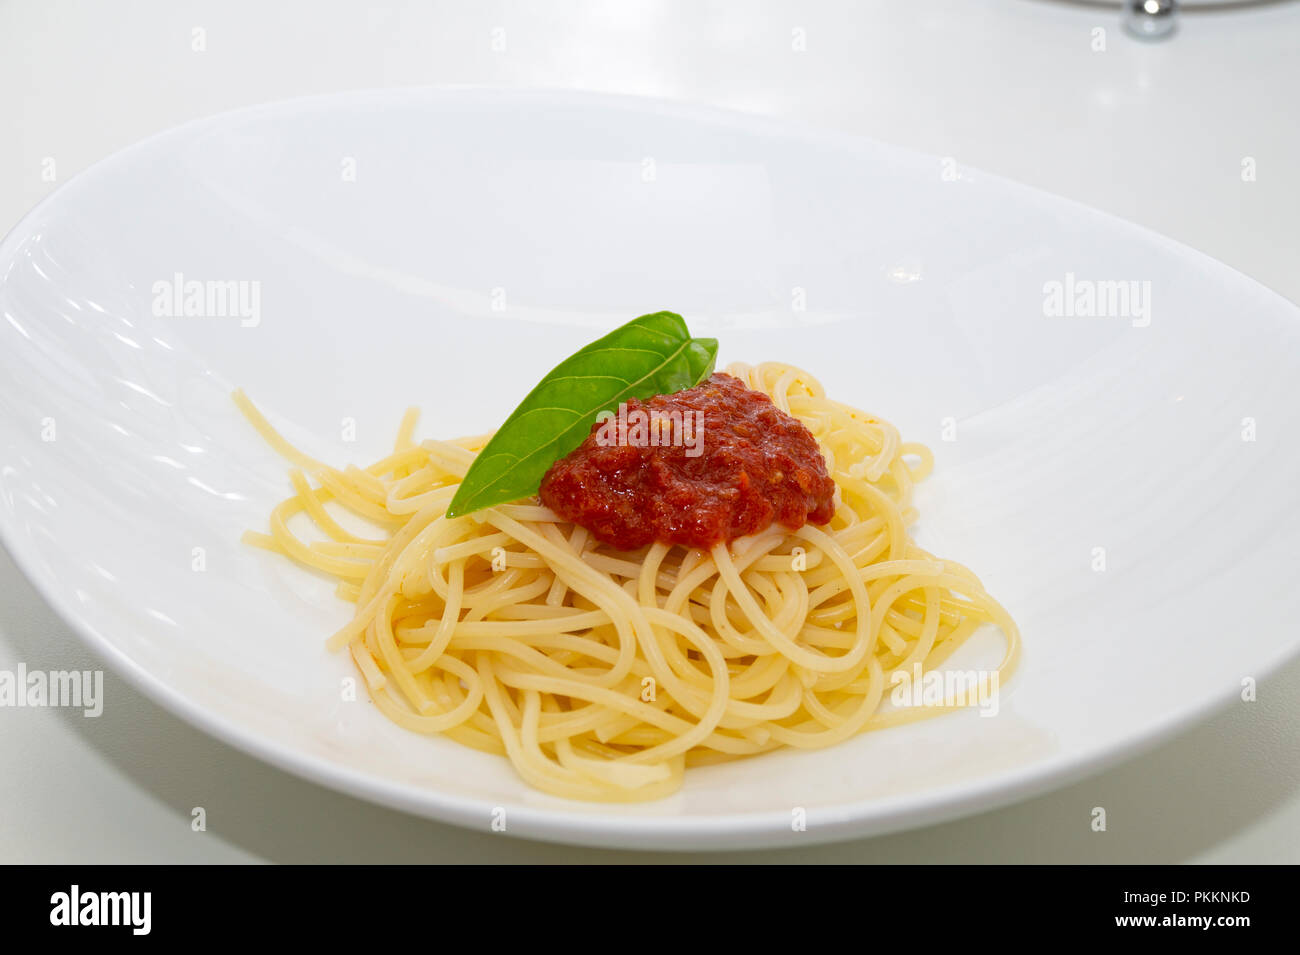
(750, 465)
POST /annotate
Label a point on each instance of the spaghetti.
(603, 674)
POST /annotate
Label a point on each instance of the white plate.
(485, 235)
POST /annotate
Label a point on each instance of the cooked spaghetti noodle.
(604, 674)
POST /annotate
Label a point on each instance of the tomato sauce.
(721, 461)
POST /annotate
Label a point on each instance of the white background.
(1153, 132)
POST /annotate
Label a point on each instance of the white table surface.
(1152, 132)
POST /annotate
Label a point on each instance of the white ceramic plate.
(446, 248)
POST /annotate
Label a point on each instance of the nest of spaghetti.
(605, 674)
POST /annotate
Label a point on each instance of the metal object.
(1150, 19)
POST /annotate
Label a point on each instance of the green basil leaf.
(651, 355)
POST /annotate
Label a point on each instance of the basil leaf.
(651, 355)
